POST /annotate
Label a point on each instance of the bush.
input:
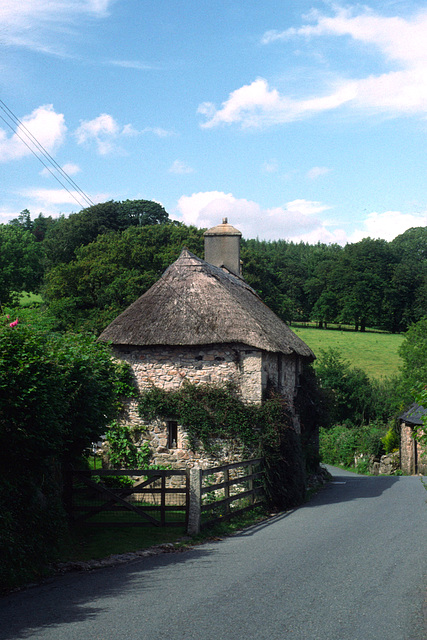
(391, 440)
(350, 446)
(338, 445)
(57, 394)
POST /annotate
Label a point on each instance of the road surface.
(349, 565)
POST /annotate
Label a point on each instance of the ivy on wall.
(210, 414)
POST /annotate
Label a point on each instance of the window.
(172, 429)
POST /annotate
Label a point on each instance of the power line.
(39, 149)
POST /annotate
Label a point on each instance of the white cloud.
(134, 64)
(102, 130)
(258, 105)
(28, 23)
(271, 166)
(180, 168)
(298, 221)
(52, 201)
(69, 168)
(400, 89)
(105, 132)
(7, 214)
(316, 172)
(388, 225)
(53, 196)
(206, 209)
(47, 126)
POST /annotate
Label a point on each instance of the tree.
(20, 262)
(112, 272)
(413, 352)
(362, 274)
(347, 389)
(79, 229)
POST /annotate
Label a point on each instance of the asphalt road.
(349, 565)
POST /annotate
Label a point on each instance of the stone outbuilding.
(413, 457)
(201, 322)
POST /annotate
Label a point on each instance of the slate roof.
(414, 414)
(196, 303)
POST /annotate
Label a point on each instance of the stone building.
(201, 322)
(413, 458)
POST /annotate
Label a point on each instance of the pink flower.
(14, 323)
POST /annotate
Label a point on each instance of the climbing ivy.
(212, 413)
(122, 450)
(208, 413)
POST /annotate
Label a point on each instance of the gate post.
(195, 499)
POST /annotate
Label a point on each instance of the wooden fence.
(151, 499)
(191, 498)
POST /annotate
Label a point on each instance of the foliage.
(369, 283)
(353, 446)
(110, 273)
(20, 263)
(211, 414)
(391, 440)
(353, 399)
(65, 235)
(414, 355)
(347, 388)
(57, 394)
(207, 413)
(338, 445)
(122, 450)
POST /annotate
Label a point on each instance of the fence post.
(227, 488)
(251, 484)
(195, 500)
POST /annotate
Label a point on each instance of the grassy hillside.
(375, 353)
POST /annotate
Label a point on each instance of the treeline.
(371, 283)
(91, 265)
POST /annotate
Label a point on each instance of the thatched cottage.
(413, 457)
(202, 322)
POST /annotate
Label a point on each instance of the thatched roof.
(195, 303)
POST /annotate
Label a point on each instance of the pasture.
(375, 353)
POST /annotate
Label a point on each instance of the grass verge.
(87, 543)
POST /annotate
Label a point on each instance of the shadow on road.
(82, 596)
(345, 486)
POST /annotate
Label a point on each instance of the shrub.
(338, 445)
(391, 440)
(57, 394)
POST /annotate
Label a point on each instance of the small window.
(172, 429)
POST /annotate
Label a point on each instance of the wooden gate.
(131, 497)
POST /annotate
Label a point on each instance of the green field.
(375, 353)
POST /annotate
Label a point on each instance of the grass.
(94, 543)
(375, 353)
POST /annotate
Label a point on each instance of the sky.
(302, 120)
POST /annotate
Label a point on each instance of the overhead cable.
(36, 149)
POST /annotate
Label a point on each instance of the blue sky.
(301, 120)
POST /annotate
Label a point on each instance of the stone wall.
(250, 370)
(180, 456)
(413, 459)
